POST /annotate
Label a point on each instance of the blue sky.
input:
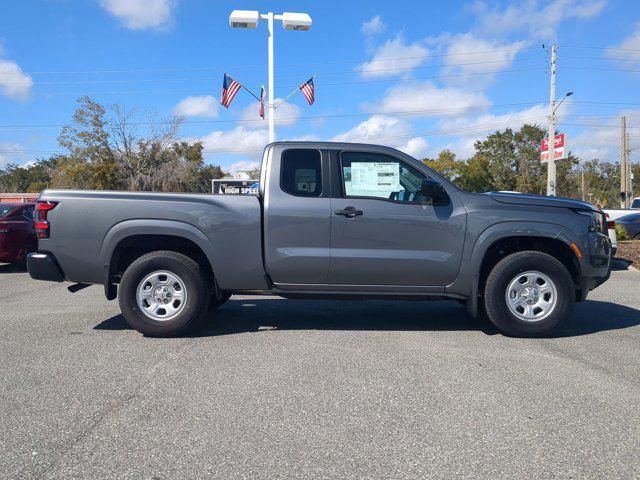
(419, 76)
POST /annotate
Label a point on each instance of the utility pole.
(582, 183)
(623, 163)
(629, 173)
(551, 163)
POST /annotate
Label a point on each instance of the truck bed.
(86, 225)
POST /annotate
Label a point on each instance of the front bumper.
(598, 269)
(43, 266)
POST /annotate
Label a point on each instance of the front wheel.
(163, 293)
(529, 294)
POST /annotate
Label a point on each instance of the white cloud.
(142, 14)
(479, 125)
(416, 147)
(394, 57)
(629, 48)
(462, 58)
(538, 20)
(239, 141)
(429, 99)
(304, 138)
(602, 142)
(242, 166)
(203, 106)
(286, 114)
(386, 130)
(14, 83)
(10, 153)
(373, 26)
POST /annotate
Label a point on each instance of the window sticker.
(374, 178)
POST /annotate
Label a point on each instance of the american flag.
(229, 90)
(263, 95)
(307, 89)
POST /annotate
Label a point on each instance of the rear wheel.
(163, 293)
(529, 294)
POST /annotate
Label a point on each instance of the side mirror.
(436, 192)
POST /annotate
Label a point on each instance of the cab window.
(28, 213)
(380, 176)
(301, 172)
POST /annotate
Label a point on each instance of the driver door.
(384, 231)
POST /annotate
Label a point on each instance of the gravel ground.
(271, 388)
(629, 250)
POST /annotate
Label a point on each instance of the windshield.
(636, 203)
(4, 209)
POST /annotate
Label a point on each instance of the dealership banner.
(559, 148)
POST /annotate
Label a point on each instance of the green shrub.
(621, 232)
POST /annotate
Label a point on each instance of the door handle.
(349, 212)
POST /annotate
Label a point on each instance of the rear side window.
(301, 172)
(636, 203)
(28, 213)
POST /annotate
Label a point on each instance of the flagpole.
(250, 92)
(294, 91)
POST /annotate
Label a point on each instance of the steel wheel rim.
(161, 295)
(531, 296)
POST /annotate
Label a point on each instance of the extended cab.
(332, 220)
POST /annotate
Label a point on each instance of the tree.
(499, 151)
(446, 164)
(475, 175)
(30, 178)
(108, 149)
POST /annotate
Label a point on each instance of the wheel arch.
(505, 238)
(133, 238)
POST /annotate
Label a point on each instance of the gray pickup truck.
(332, 220)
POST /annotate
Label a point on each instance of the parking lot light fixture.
(290, 21)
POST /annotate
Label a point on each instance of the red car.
(17, 232)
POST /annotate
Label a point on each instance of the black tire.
(505, 271)
(215, 303)
(190, 273)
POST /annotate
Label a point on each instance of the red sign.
(559, 148)
(558, 142)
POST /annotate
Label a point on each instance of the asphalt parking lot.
(271, 388)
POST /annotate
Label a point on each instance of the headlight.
(596, 221)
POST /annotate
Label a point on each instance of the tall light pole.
(290, 21)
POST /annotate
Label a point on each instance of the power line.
(397, 137)
(575, 67)
(600, 48)
(341, 115)
(614, 59)
(309, 117)
(320, 74)
(354, 61)
(319, 83)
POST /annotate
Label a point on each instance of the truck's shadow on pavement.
(255, 315)
(12, 268)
